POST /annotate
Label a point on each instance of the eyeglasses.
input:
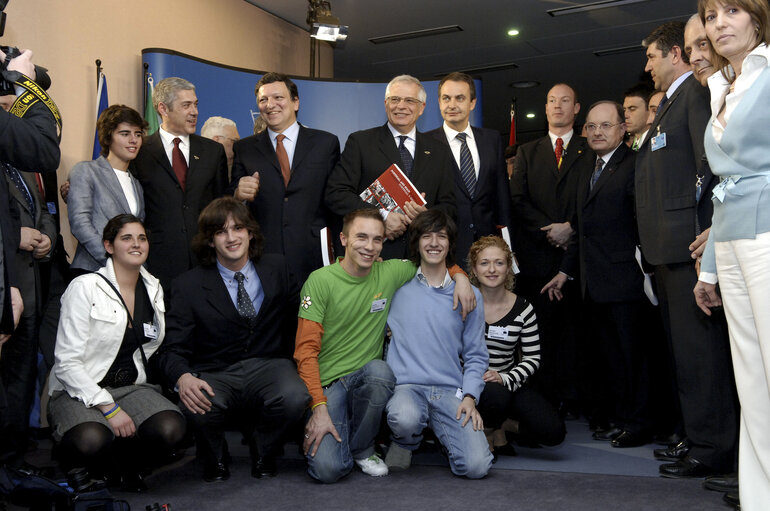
(604, 127)
(395, 100)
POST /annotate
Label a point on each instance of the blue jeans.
(355, 403)
(413, 407)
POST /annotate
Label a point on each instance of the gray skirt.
(140, 402)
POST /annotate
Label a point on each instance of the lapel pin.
(196, 157)
(426, 152)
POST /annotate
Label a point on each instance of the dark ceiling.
(548, 49)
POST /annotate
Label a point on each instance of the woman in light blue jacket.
(103, 188)
(737, 142)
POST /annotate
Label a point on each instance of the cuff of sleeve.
(708, 278)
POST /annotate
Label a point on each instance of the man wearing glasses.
(368, 153)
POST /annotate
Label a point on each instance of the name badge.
(499, 333)
(658, 142)
(51, 207)
(378, 305)
(150, 331)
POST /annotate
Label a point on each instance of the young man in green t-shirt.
(339, 348)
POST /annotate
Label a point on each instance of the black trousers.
(264, 395)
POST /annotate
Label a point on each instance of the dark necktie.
(467, 170)
(660, 105)
(597, 172)
(245, 305)
(558, 151)
(406, 157)
(283, 159)
(17, 182)
(178, 163)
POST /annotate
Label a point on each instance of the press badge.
(658, 142)
(150, 331)
(51, 207)
(378, 305)
(499, 333)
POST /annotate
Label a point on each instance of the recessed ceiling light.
(513, 32)
(524, 84)
(530, 115)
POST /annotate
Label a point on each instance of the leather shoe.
(216, 471)
(629, 439)
(723, 483)
(733, 499)
(673, 452)
(606, 434)
(668, 439)
(264, 466)
(686, 467)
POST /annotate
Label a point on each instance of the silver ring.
(307, 436)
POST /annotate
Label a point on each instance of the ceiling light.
(324, 26)
(530, 115)
(512, 32)
(603, 4)
(524, 84)
(415, 34)
(636, 48)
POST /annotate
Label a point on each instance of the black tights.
(93, 445)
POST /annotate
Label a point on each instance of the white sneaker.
(373, 466)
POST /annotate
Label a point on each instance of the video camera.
(11, 52)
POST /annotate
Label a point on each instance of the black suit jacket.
(606, 233)
(291, 217)
(171, 214)
(666, 206)
(543, 194)
(204, 331)
(368, 154)
(491, 202)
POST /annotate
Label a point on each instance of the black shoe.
(673, 452)
(505, 450)
(630, 439)
(216, 471)
(686, 467)
(264, 466)
(723, 483)
(668, 439)
(733, 499)
(133, 483)
(607, 434)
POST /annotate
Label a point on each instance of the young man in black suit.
(673, 206)
(227, 349)
(543, 190)
(288, 207)
(611, 281)
(180, 173)
(481, 187)
(369, 153)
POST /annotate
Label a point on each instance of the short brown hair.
(213, 218)
(371, 213)
(458, 77)
(666, 36)
(115, 224)
(109, 120)
(432, 220)
(278, 77)
(489, 242)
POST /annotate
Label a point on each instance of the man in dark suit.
(227, 350)
(673, 206)
(180, 173)
(287, 203)
(481, 188)
(543, 190)
(611, 281)
(368, 153)
(18, 365)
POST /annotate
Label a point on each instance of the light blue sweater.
(431, 345)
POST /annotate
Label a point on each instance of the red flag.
(512, 137)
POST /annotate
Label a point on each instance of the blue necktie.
(406, 157)
(245, 305)
(660, 105)
(597, 172)
(467, 170)
(19, 184)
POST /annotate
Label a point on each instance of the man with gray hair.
(368, 153)
(224, 131)
(180, 173)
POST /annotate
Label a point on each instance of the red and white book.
(392, 190)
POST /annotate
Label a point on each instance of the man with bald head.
(543, 188)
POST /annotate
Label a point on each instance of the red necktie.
(283, 159)
(558, 151)
(178, 163)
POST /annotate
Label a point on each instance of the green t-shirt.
(353, 312)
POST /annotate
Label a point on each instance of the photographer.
(29, 142)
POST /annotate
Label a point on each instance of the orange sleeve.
(307, 346)
(454, 270)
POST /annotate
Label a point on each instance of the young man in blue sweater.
(437, 358)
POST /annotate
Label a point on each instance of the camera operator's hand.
(23, 63)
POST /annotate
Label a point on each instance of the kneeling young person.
(339, 348)
(226, 350)
(438, 358)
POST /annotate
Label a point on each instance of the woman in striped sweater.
(508, 403)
